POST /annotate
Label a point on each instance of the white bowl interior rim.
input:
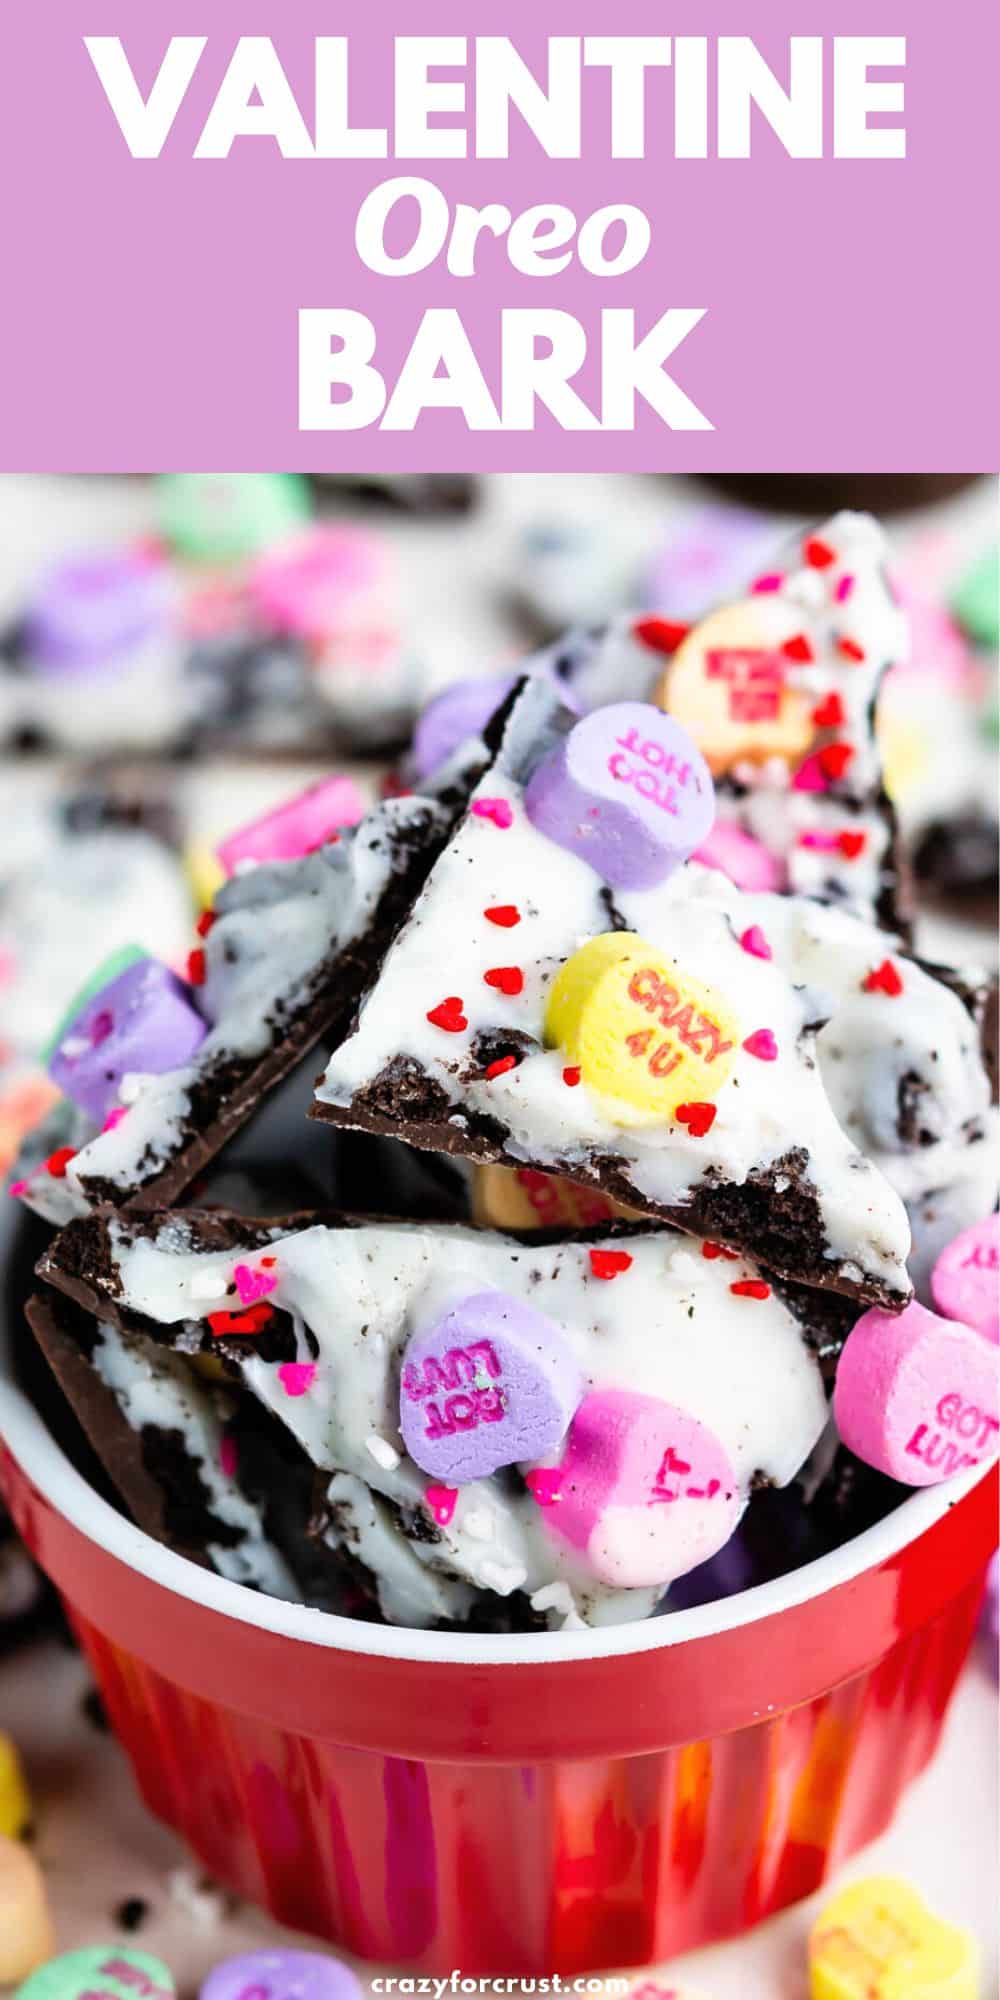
(52, 1473)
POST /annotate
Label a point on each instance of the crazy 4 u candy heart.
(878, 1941)
(917, 1396)
(296, 827)
(646, 1491)
(140, 1020)
(647, 1039)
(965, 1280)
(627, 791)
(282, 1975)
(491, 1383)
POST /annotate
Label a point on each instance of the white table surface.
(96, 1842)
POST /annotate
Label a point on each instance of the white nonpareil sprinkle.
(501, 1577)
(382, 1452)
(132, 1086)
(207, 1285)
(479, 1524)
(682, 1265)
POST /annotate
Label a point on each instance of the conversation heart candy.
(877, 1940)
(522, 1198)
(295, 827)
(627, 791)
(965, 1280)
(15, 1805)
(94, 609)
(301, 586)
(646, 1491)
(282, 1975)
(731, 684)
(101, 1972)
(976, 601)
(223, 517)
(140, 1020)
(491, 1383)
(917, 1396)
(647, 1039)
(746, 861)
(462, 711)
(26, 1938)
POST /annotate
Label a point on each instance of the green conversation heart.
(100, 1973)
(226, 517)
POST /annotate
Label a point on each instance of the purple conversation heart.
(462, 711)
(626, 790)
(93, 610)
(491, 1383)
(141, 1021)
(281, 1975)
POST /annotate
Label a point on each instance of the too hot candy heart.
(646, 1491)
(491, 1383)
(282, 1975)
(877, 1940)
(141, 1021)
(965, 1280)
(917, 1396)
(646, 1038)
(627, 791)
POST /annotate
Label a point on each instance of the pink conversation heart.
(628, 791)
(296, 827)
(746, 861)
(252, 1284)
(916, 1395)
(303, 586)
(965, 1280)
(647, 1491)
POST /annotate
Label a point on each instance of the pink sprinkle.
(844, 589)
(441, 1501)
(500, 811)
(764, 584)
(253, 1285)
(826, 843)
(17, 1188)
(810, 776)
(544, 1484)
(228, 1455)
(762, 1044)
(754, 941)
(115, 1117)
(297, 1376)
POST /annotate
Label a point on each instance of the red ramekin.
(522, 1805)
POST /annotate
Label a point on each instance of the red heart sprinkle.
(835, 758)
(799, 648)
(663, 635)
(205, 922)
(884, 979)
(852, 844)
(253, 1320)
(499, 1067)
(57, 1162)
(507, 979)
(571, 1076)
(829, 714)
(818, 555)
(714, 1250)
(850, 649)
(196, 968)
(751, 1288)
(544, 1484)
(609, 1263)
(506, 915)
(699, 1118)
(449, 1015)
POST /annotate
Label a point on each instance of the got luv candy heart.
(490, 1383)
(917, 1396)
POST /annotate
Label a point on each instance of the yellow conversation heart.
(205, 873)
(731, 684)
(647, 1039)
(26, 1939)
(523, 1198)
(15, 1804)
(878, 1941)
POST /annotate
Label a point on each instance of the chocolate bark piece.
(345, 1298)
(291, 944)
(774, 1176)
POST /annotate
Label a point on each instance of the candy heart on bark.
(492, 1382)
(627, 791)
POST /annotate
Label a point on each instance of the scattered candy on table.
(225, 517)
(26, 1936)
(296, 827)
(877, 1940)
(492, 1383)
(93, 610)
(965, 1280)
(282, 1975)
(917, 1395)
(115, 1972)
(976, 600)
(627, 791)
(302, 586)
(15, 1803)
